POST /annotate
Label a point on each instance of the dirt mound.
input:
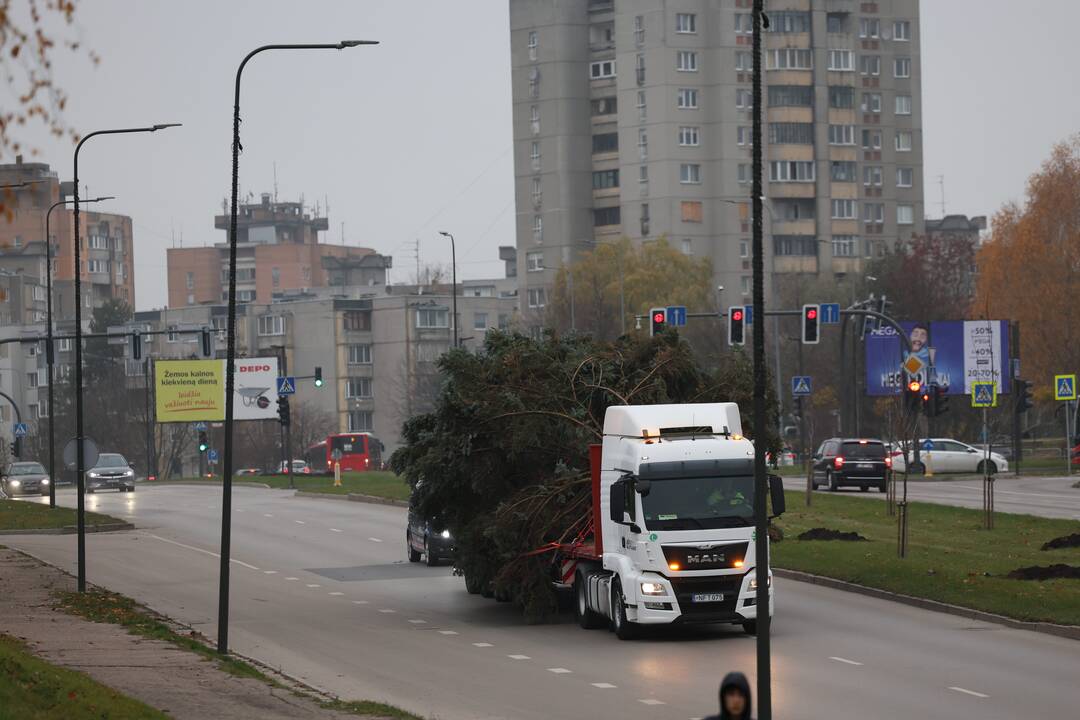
(1066, 541)
(826, 534)
(1048, 572)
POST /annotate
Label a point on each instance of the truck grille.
(686, 588)
(705, 557)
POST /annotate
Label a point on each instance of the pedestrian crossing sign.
(1064, 387)
(801, 386)
(983, 394)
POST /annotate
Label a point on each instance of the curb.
(71, 529)
(1071, 632)
(353, 497)
(197, 483)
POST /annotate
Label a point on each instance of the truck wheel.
(586, 618)
(413, 555)
(750, 627)
(623, 628)
(833, 485)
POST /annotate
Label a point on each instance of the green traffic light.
(318, 382)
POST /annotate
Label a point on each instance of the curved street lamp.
(453, 281)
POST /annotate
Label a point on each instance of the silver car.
(25, 478)
(112, 472)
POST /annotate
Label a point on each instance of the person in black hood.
(734, 698)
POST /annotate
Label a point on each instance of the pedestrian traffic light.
(283, 410)
(811, 324)
(657, 321)
(136, 346)
(16, 448)
(1023, 396)
(207, 343)
(318, 377)
(939, 400)
(736, 329)
(204, 442)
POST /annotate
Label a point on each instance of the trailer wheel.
(623, 628)
(586, 618)
(414, 556)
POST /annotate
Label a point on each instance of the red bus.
(359, 452)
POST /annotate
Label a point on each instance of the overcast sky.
(413, 136)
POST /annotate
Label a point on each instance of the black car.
(854, 462)
(24, 478)
(423, 538)
(112, 472)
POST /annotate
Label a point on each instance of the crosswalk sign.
(20, 430)
(801, 386)
(1064, 387)
(983, 394)
(286, 385)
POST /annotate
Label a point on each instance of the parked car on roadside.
(24, 478)
(299, 467)
(852, 462)
(112, 472)
(248, 471)
(945, 455)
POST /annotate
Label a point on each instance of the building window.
(687, 247)
(605, 142)
(791, 95)
(63, 345)
(639, 29)
(685, 23)
(538, 228)
(869, 28)
(98, 266)
(687, 98)
(432, 318)
(843, 171)
(905, 215)
(643, 143)
(790, 59)
(744, 249)
(844, 210)
(602, 69)
(902, 30)
(841, 97)
(605, 179)
(795, 245)
(791, 21)
(361, 421)
(744, 24)
(902, 67)
(534, 261)
(534, 119)
(688, 136)
(744, 284)
(905, 177)
(686, 61)
(870, 65)
(791, 171)
(873, 213)
(743, 135)
(791, 133)
(841, 61)
(32, 379)
(744, 99)
(534, 155)
(841, 134)
(643, 173)
(844, 245)
(605, 106)
(903, 104)
(871, 139)
(359, 354)
(871, 102)
(430, 352)
(644, 219)
(534, 82)
(479, 291)
(903, 141)
(536, 297)
(356, 320)
(191, 281)
(358, 387)
(691, 211)
(641, 109)
(272, 325)
(537, 191)
(533, 44)
(606, 216)
(795, 209)
(689, 173)
(872, 175)
(480, 321)
(744, 174)
(744, 61)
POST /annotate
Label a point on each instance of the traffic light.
(811, 324)
(657, 321)
(136, 346)
(283, 410)
(913, 396)
(1024, 401)
(204, 442)
(318, 377)
(736, 328)
(939, 400)
(207, 343)
(926, 398)
(16, 448)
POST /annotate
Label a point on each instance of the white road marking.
(299, 522)
(267, 515)
(519, 657)
(387, 611)
(241, 562)
(844, 660)
(969, 692)
(360, 602)
(239, 510)
(447, 632)
(314, 585)
(292, 578)
(652, 701)
(374, 539)
(269, 572)
(334, 530)
(200, 550)
(418, 622)
(604, 686)
(337, 593)
(482, 645)
(559, 671)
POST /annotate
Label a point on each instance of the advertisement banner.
(189, 390)
(194, 390)
(953, 353)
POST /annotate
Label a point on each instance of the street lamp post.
(80, 458)
(453, 282)
(50, 356)
(230, 362)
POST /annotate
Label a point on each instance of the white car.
(945, 455)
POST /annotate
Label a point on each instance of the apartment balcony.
(792, 189)
(795, 264)
(795, 227)
(847, 265)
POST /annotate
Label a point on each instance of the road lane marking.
(292, 578)
(387, 611)
(844, 660)
(267, 515)
(337, 593)
(418, 622)
(360, 602)
(299, 522)
(482, 645)
(447, 632)
(559, 671)
(652, 701)
(519, 657)
(604, 686)
(968, 692)
(334, 530)
(269, 572)
(241, 562)
(374, 539)
(314, 585)
(200, 550)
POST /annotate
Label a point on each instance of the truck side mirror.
(776, 494)
(617, 506)
(643, 487)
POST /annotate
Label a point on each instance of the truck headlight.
(652, 588)
(445, 534)
(753, 582)
(15, 483)
(129, 473)
(45, 481)
(93, 475)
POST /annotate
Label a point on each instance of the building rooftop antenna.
(941, 182)
(275, 182)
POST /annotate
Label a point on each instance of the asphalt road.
(1032, 495)
(322, 589)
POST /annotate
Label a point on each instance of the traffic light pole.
(15, 442)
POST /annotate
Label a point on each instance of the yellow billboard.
(189, 390)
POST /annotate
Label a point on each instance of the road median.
(19, 517)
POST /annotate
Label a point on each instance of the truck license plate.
(707, 597)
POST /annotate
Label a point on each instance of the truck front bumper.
(677, 605)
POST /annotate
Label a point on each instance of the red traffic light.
(736, 315)
(658, 317)
(914, 386)
(811, 313)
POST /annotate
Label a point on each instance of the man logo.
(705, 558)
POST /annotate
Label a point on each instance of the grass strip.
(33, 689)
(950, 558)
(377, 483)
(23, 515)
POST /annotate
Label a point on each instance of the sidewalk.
(160, 674)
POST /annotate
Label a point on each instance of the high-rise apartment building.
(633, 118)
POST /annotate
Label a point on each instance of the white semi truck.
(672, 532)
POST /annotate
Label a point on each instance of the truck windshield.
(699, 503)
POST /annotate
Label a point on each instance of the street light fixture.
(80, 457)
(230, 362)
(50, 357)
(453, 282)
